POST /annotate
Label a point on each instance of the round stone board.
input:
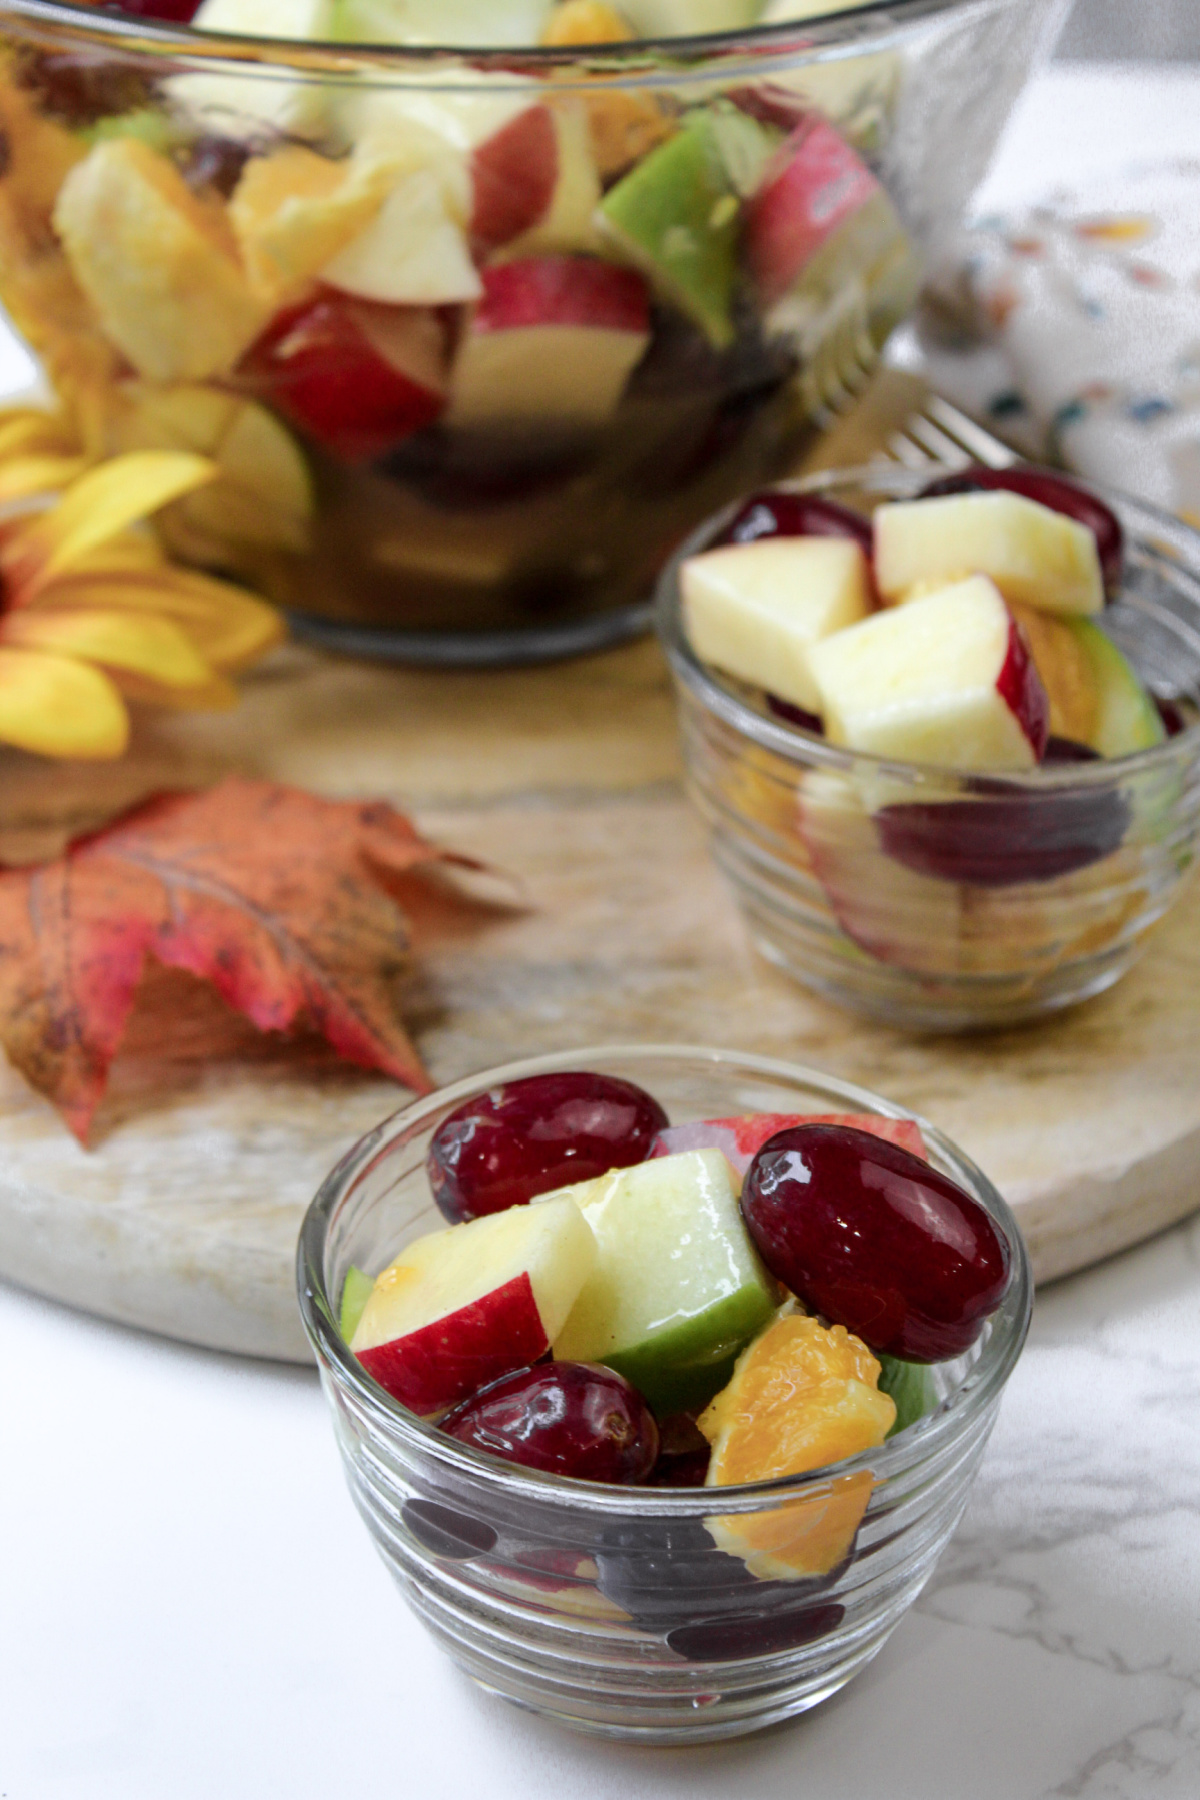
(183, 1217)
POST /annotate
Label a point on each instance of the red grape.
(522, 1139)
(1066, 750)
(169, 12)
(1051, 490)
(1005, 839)
(796, 715)
(1171, 716)
(576, 1419)
(755, 1634)
(875, 1239)
(774, 513)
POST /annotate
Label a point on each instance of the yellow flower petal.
(59, 707)
(136, 551)
(140, 642)
(217, 695)
(21, 476)
(106, 500)
(30, 430)
(227, 625)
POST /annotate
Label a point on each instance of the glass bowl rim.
(834, 30)
(986, 1379)
(805, 748)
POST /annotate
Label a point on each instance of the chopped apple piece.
(453, 111)
(360, 378)
(947, 679)
(239, 105)
(461, 1307)
(554, 338)
(463, 22)
(813, 187)
(756, 610)
(413, 253)
(676, 215)
(1039, 557)
(1127, 719)
(513, 176)
(568, 222)
(678, 1287)
(159, 265)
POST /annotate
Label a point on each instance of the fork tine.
(980, 445)
(931, 437)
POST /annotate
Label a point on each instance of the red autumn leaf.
(279, 899)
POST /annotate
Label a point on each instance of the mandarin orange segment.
(801, 1539)
(802, 1396)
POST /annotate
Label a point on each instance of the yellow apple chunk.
(756, 610)
(929, 682)
(157, 264)
(1034, 555)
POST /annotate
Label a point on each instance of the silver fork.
(940, 433)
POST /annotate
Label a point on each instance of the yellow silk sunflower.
(92, 612)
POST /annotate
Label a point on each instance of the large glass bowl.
(273, 252)
(941, 900)
(612, 1609)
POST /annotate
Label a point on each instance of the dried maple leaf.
(281, 900)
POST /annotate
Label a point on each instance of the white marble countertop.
(191, 1608)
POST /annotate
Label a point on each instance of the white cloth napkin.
(1072, 326)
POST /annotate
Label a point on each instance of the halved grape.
(796, 715)
(774, 513)
(527, 1137)
(575, 1419)
(1005, 839)
(875, 1239)
(1054, 491)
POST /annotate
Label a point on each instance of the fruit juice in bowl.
(477, 335)
(602, 1422)
(945, 732)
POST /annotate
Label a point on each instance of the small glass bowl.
(612, 1609)
(1036, 891)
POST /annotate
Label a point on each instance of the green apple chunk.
(910, 1385)
(1127, 719)
(678, 1289)
(676, 215)
(356, 1291)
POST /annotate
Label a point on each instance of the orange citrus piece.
(802, 1396)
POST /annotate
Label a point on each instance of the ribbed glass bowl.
(1045, 887)
(509, 528)
(611, 1609)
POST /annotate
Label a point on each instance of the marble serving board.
(183, 1217)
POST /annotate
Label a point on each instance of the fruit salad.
(989, 820)
(718, 1302)
(474, 343)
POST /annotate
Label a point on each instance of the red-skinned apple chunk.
(947, 679)
(513, 176)
(813, 184)
(554, 338)
(462, 1307)
(358, 377)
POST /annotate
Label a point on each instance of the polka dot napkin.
(1073, 329)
